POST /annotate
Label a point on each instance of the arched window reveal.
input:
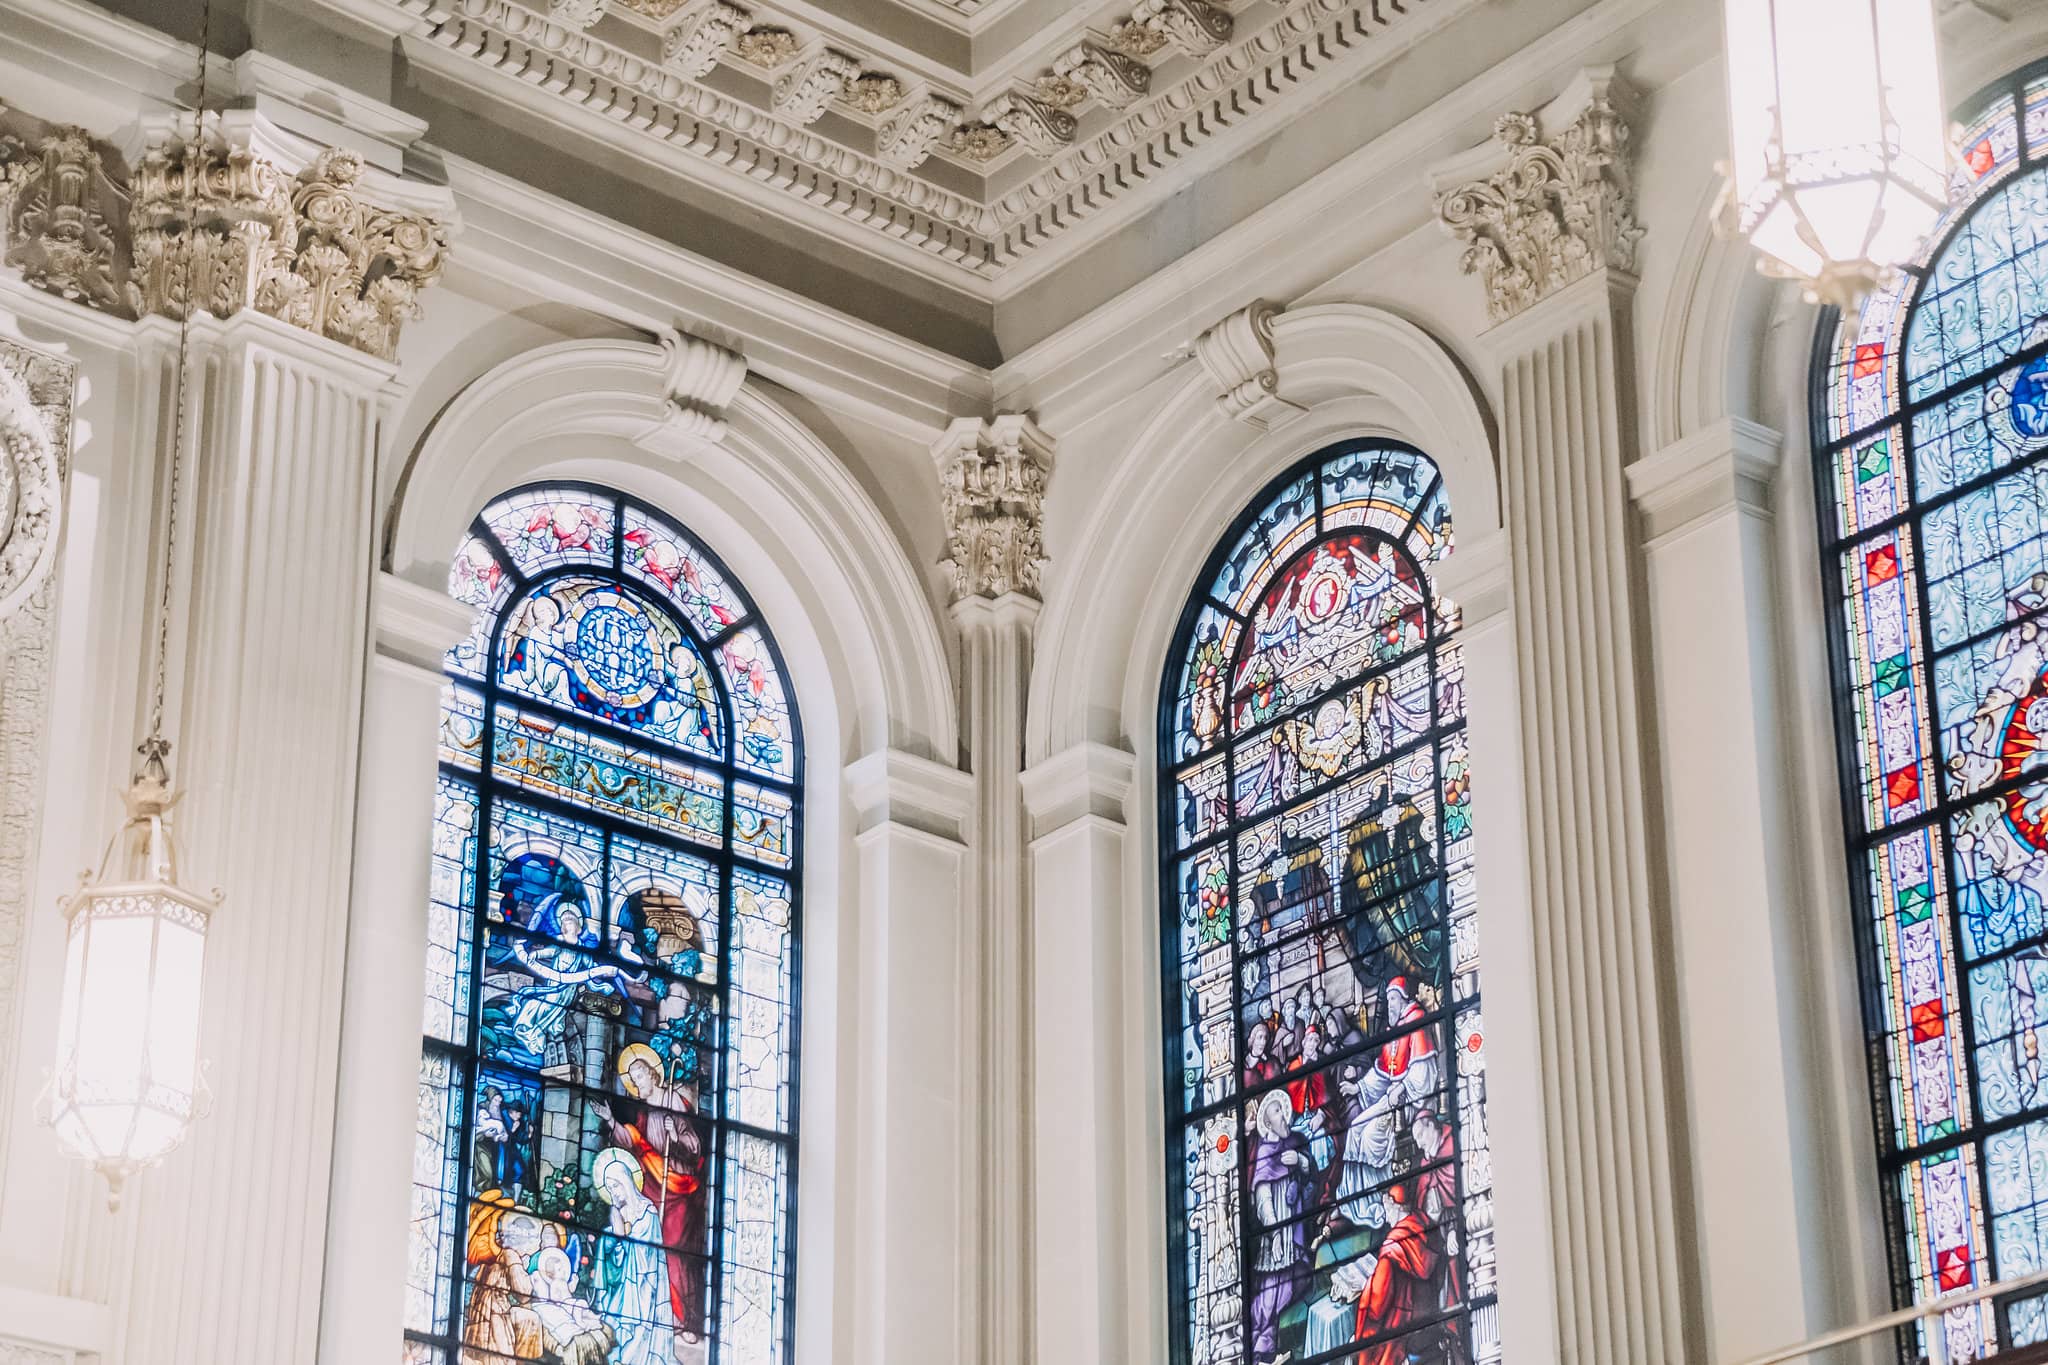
(1330, 1188)
(1932, 421)
(605, 1164)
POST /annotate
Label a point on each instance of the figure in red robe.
(1399, 1291)
(658, 1131)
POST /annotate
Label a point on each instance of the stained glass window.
(605, 1163)
(1330, 1190)
(1931, 435)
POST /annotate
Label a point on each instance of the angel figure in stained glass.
(632, 1269)
(1322, 742)
(531, 666)
(686, 701)
(502, 1242)
(564, 526)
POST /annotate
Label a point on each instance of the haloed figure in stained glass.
(1932, 448)
(1333, 1196)
(607, 1105)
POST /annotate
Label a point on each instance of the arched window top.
(1331, 1193)
(606, 1154)
(1931, 436)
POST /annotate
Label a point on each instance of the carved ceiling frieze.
(35, 448)
(1098, 120)
(217, 225)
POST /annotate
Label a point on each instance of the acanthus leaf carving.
(908, 138)
(221, 228)
(693, 47)
(1556, 211)
(873, 93)
(1196, 27)
(992, 478)
(1115, 79)
(804, 94)
(59, 206)
(1041, 129)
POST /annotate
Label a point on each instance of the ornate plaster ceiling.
(972, 134)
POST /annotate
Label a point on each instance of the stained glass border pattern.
(1929, 411)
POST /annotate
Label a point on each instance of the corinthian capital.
(58, 206)
(219, 225)
(992, 478)
(1555, 203)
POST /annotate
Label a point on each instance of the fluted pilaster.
(271, 596)
(1546, 218)
(993, 474)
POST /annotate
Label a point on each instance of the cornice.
(1135, 101)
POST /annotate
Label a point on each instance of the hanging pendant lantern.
(128, 1080)
(1840, 138)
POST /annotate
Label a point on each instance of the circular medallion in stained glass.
(618, 649)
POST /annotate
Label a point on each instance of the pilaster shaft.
(993, 476)
(913, 1254)
(271, 598)
(1745, 977)
(370, 1206)
(1596, 916)
(1548, 226)
(1081, 1098)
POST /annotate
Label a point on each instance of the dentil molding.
(218, 222)
(1555, 202)
(992, 477)
(1110, 114)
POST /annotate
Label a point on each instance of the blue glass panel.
(584, 645)
(2008, 1000)
(1282, 526)
(1378, 488)
(1985, 293)
(627, 1001)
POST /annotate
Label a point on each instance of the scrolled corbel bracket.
(1237, 355)
(701, 378)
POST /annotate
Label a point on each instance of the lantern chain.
(154, 747)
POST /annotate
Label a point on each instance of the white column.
(913, 1249)
(992, 477)
(996, 636)
(268, 663)
(1081, 1097)
(369, 1204)
(1545, 212)
(1601, 1010)
(1741, 967)
(1478, 577)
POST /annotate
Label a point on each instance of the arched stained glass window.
(1932, 424)
(605, 1168)
(1330, 1193)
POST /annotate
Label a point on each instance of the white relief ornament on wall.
(35, 395)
